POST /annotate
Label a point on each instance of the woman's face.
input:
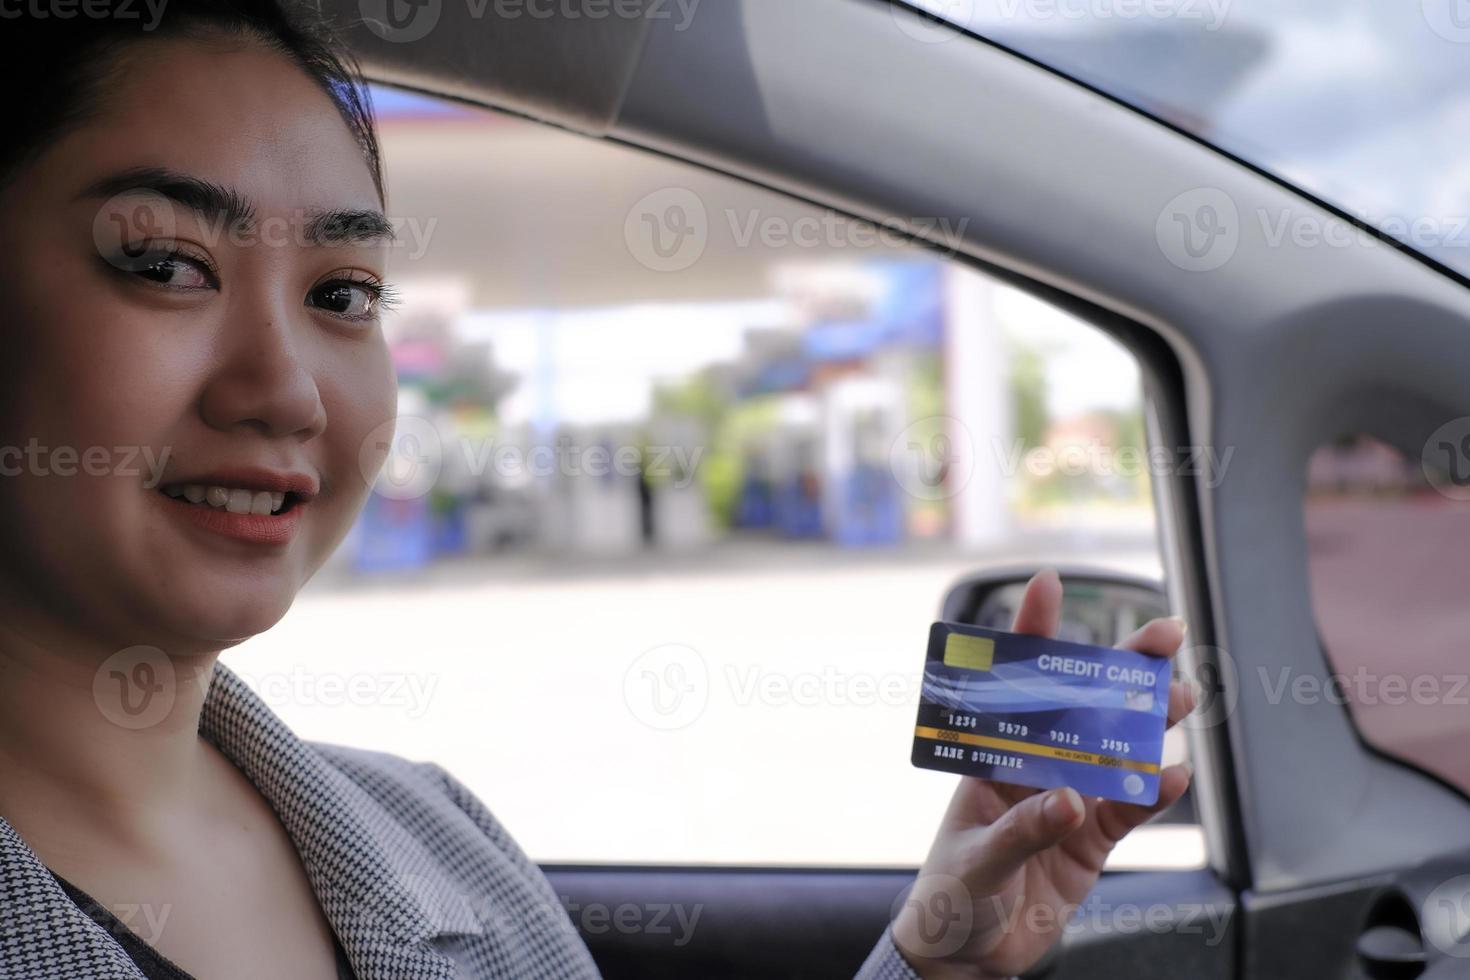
(128, 372)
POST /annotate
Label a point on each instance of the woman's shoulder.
(427, 800)
(493, 909)
(376, 770)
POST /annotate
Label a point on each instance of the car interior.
(1328, 852)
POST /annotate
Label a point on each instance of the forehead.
(232, 112)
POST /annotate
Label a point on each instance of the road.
(755, 707)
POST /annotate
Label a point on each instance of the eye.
(170, 267)
(350, 299)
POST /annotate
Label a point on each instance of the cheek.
(361, 400)
(92, 396)
(85, 375)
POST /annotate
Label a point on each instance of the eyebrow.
(213, 202)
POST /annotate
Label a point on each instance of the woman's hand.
(1010, 864)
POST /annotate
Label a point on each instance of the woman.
(193, 398)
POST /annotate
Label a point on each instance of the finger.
(1162, 638)
(1157, 637)
(1115, 819)
(1041, 605)
(979, 802)
(1022, 832)
(1183, 698)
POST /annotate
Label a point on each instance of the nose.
(262, 381)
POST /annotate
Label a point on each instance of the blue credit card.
(1041, 712)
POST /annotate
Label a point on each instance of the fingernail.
(1183, 626)
(1188, 770)
(1063, 807)
(1050, 574)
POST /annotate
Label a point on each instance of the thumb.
(1025, 830)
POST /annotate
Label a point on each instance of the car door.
(1328, 855)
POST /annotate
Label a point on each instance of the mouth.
(250, 504)
(234, 500)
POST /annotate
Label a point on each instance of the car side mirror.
(1099, 606)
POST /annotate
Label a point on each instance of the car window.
(1385, 533)
(682, 472)
(1360, 103)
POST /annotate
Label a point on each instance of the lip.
(264, 529)
(253, 478)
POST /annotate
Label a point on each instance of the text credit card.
(1042, 712)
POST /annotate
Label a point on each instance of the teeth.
(239, 502)
(236, 501)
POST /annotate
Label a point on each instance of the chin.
(216, 624)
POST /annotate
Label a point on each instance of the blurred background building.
(797, 384)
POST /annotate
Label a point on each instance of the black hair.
(58, 58)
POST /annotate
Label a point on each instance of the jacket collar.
(373, 879)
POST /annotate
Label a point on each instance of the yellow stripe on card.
(1027, 748)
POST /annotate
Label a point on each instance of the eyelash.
(153, 256)
(383, 296)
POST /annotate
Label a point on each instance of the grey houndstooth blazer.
(417, 878)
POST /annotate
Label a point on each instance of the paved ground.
(755, 705)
